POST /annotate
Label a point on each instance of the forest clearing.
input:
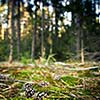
(49, 49)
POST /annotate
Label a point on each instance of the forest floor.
(57, 81)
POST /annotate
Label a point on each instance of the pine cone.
(29, 91)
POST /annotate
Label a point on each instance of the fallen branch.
(82, 69)
(1, 96)
(2, 85)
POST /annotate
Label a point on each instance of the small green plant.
(50, 59)
(25, 60)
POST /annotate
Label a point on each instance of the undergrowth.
(67, 85)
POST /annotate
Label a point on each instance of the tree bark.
(11, 29)
(82, 48)
(78, 43)
(34, 35)
(42, 33)
(18, 30)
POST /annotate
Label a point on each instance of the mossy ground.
(61, 84)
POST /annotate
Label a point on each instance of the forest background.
(68, 30)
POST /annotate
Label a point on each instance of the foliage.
(4, 50)
(50, 59)
(25, 60)
(58, 38)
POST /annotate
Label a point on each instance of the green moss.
(70, 80)
(23, 74)
(20, 98)
(37, 77)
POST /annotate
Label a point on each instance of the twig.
(2, 97)
(82, 69)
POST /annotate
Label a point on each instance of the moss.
(70, 80)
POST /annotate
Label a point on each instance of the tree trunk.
(11, 29)
(34, 35)
(56, 26)
(42, 33)
(78, 43)
(18, 30)
(82, 48)
(56, 23)
(78, 34)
